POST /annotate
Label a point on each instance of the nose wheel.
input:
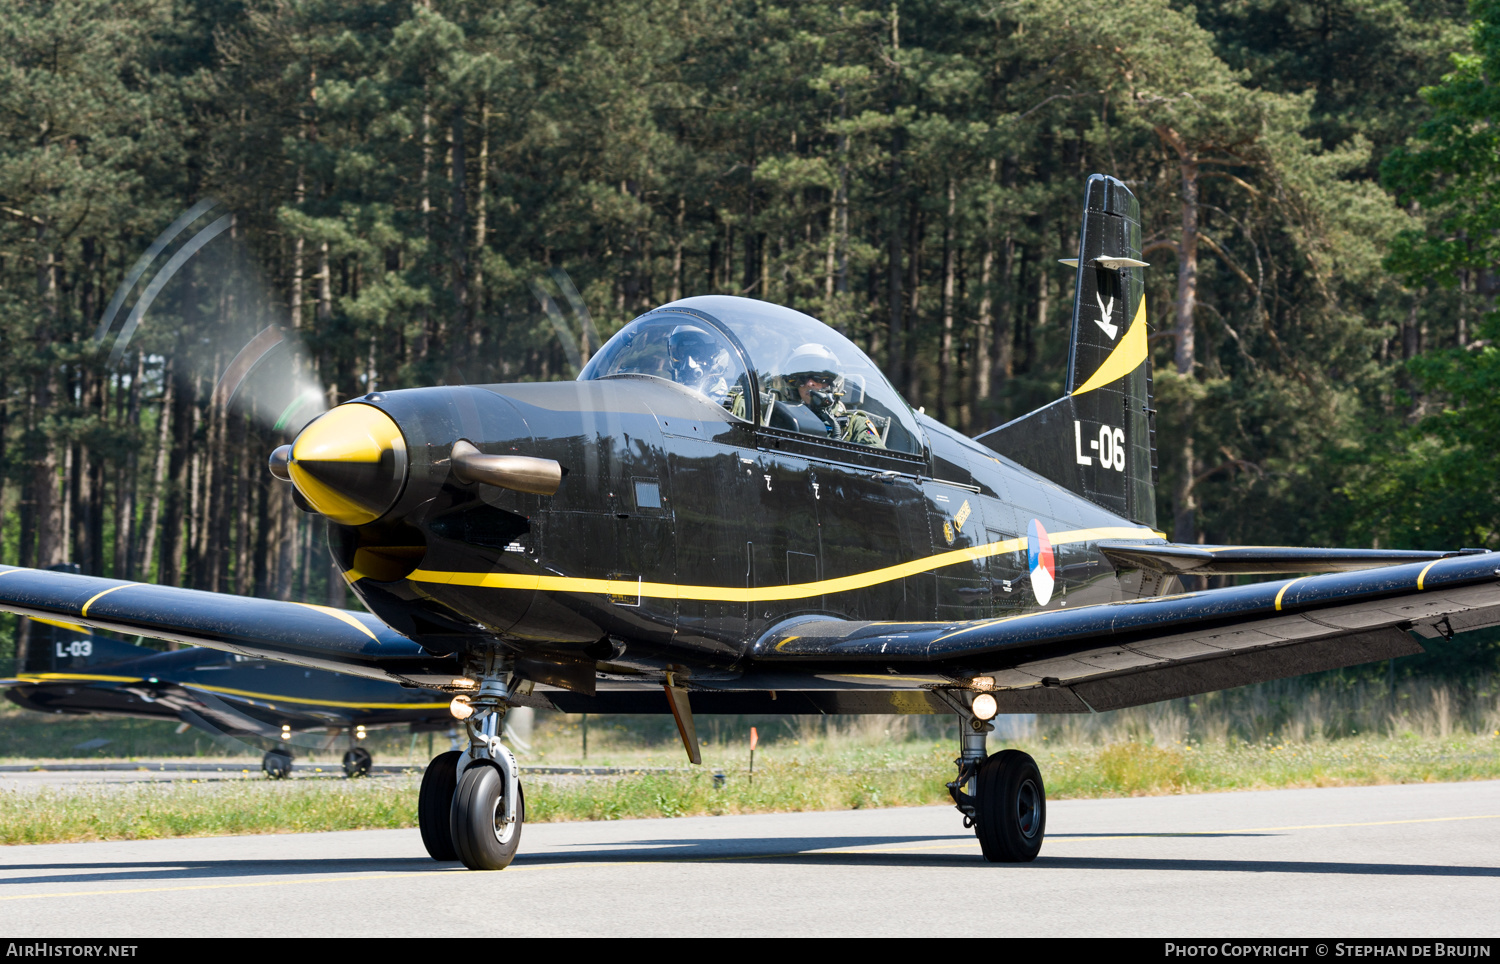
(435, 804)
(483, 837)
(471, 806)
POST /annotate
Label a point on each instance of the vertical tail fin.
(62, 647)
(1099, 439)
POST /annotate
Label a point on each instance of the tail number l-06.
(1110, 446)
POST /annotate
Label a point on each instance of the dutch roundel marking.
(1040, 561)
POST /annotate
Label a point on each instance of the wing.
(1179, 559)
(1115, 655)
(316, 636)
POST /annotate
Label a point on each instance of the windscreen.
(679, 348)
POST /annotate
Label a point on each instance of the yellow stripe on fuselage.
(863, 580)
(248, 694)
(77, 677)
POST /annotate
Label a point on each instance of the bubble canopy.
(736, 352)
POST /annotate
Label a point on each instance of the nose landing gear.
(471, 806)
(1001, 795)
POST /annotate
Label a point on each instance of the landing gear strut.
(1001, 795)
(471, 806)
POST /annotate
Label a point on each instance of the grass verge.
(802, 778)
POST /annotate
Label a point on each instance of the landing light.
(984, 707)
(460, 708)
(286, 731)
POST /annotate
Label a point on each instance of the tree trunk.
(325, 287)
(945, 347)
(458, 214)
(481, 228)
(910, 372)
(159, 471)
(984, 321)
(1184, 499)
(125, 487)
(297, 244)
(169, 569)
(896, 340)
(51, 532)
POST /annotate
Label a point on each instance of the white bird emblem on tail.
(1105, 311)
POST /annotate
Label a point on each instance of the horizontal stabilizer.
(1179, 559)
(1108, 261)
(1123, 654)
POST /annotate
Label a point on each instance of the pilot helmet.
(816, 361)
(694, 354)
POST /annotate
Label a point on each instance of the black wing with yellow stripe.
(1128, 653)
(316, 636)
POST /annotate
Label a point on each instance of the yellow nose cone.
(350, 464)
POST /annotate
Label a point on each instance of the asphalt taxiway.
(1400, 861)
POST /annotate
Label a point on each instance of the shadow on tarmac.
(780, 850)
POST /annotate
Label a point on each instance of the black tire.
(435, 805)
(477, 802)
(357, 762)
(277, 764)
(1012, 808)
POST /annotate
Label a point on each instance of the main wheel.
(1012, 817)
(357, 762)
(277, 764)
(435, 805)
(481, 840)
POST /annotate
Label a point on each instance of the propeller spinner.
(350, 464)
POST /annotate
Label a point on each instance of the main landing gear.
(277, 763)
(471, 806)
(357, 762)
(1001, 795)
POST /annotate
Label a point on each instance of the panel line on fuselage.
(863, 580)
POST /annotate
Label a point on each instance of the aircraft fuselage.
(681, 535)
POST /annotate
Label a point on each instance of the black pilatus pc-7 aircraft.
(266, 702)
(731, 504)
